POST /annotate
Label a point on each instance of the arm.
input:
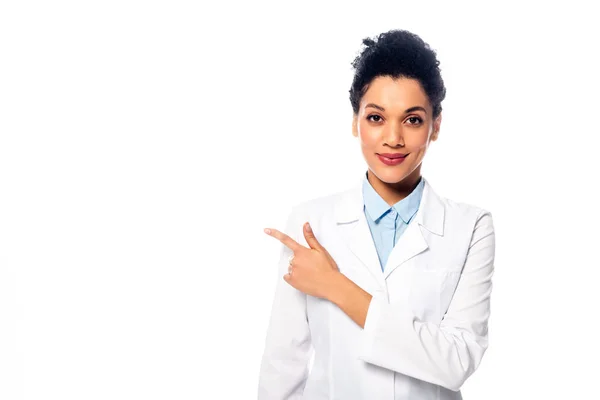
(284, 366)
(445, 354)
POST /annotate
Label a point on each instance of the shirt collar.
(376, 206)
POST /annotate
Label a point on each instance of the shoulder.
(452, 206)
(466, 214)
(464, 225)
(317, 211)
(461, 208)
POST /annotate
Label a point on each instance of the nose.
(393, 135)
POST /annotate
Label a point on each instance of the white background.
(145, 145)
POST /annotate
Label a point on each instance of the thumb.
(310, 237)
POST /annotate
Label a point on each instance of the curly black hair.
(398, 53)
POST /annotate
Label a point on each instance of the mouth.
(392, 155)
(391, 158)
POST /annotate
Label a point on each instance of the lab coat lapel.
(411, 243)
(429, 218)
(361, 243)
(354, 230)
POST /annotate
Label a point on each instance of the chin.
(391, 174)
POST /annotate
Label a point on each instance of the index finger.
(285, 239)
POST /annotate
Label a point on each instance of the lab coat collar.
(350, 206)
(355, 231)
(376, 206)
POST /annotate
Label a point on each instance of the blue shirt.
(388, 223)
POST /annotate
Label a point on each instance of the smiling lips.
(391, 158)
(393, 155)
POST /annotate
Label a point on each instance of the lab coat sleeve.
(284, 366)
(448, 353)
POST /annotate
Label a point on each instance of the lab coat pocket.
(431, 291)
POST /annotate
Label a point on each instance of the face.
(395, 118)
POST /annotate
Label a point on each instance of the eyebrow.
(411, 109)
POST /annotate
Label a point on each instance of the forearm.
(351, 299)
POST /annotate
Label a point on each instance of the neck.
(394, 192)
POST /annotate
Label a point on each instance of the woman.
(387, 285)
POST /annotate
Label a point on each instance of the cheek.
(416, 142)
(369, 136)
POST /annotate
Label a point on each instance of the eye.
(415, 120)
(374, 118)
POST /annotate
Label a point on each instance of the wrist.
(339, 288)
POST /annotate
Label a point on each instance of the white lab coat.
(426, 326)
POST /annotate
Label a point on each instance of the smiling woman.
(387, 284)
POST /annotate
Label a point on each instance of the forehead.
(400, 93)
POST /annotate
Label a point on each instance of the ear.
(436, 128)
(355, 125)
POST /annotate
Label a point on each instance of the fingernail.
(307, 226)
(267, 231)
